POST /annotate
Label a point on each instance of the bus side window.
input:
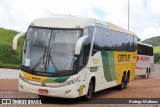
(83, 56)
(98, 41)
(107, 44)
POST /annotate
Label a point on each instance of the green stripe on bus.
(56, 79)
(108, 65)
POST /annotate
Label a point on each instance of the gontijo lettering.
(123, 57)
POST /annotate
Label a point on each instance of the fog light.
(21, 86)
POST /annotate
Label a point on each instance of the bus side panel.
(144, 62)
(109, 65)
(125, 61)
(96, 65)
(115, 63)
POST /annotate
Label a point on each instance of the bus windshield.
(49, 50)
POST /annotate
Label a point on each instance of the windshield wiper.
(41, 58)
(50, 59)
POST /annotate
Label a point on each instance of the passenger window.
(98, 40)
(83, 59)
(107, 40)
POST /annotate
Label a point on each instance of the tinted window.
(145, 50)
(122, 41)
(110, 40)
(98, 40)
(107, 40)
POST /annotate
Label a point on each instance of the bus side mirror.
(79, 44)
(15, 40)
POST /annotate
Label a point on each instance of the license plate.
(43, 91)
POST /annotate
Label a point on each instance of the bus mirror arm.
(15, 40)
(79, 44)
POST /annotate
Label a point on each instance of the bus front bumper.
(68, 91)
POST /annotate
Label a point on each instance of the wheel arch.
(91, 78)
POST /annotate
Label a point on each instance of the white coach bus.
(145, 60)
(69, 57)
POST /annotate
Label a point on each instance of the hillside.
(9, 57)
(8, 35)
(155, 41)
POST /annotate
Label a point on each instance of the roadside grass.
(8, 35)
(10, 66)
(9, 58)
(156, 54)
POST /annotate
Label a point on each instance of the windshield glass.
(49, 50)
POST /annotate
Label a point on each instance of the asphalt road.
(138, 88)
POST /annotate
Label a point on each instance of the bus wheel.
(147, 73)
(123, 84)
(90, 91)
(125, 81)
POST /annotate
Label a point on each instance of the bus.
(70, 57)
(145, 60)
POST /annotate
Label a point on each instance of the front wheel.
(90, 91)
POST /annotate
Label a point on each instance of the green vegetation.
(155, 41)
(9, 58)
(157, 49)
(156, 53)
(156, 57)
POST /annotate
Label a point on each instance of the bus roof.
(145, 44)
(119, 29)
(75, 22)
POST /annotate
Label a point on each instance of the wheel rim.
(147, 74)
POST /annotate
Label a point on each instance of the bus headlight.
(21, 76)
(71, 82)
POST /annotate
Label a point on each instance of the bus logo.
(123, 58)
(95, 61)
(144, 59)
(43, 84)
(36, 78)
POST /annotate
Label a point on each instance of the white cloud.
(144, 14)
(154, 6)
(151, 31)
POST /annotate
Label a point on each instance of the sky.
(144, 14)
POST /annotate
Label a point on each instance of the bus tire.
(125, 81)
(123, 84)
(147, 73)
(90, 91)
